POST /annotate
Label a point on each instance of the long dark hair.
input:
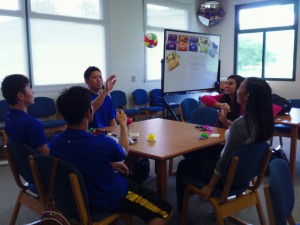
(234, 106)
(259, 108)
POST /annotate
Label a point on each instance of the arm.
(236, 138)
(44, 149)
(120, 167)
(214, 101)
(223, 118)
(123, 141)
(113, 122)
(110, 83)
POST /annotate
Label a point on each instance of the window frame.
(294, 27)
(24, 12)
(178, 5)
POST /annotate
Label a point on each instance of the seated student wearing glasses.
(108, 190)
(19, 125)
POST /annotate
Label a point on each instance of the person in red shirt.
(226, 102)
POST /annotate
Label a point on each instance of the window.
(265, 45)
(59, 42)
(159, 16)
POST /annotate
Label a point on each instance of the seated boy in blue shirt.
(108, 190)
(104, 109)
(105, 114)
(19, 125)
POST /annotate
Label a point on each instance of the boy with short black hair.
(108, 190)
(19, 125)
(104, 109)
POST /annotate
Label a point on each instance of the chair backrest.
(295, 102)
(118, 98)
(140, 97)
(281, 192)
(156, 96)
(186, 107)
(63, 190)
(42, 107)
(18, 159)
(4, 108)
(204, 116)
(252, 163)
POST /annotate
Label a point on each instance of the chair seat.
(217, 192)
(153, 108)
(283, 128)
(132, 112)
(53, 123)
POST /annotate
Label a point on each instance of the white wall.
(126, 51)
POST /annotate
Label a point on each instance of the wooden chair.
(279, 194)
(235, 191)
(70, 194)
(17, 156)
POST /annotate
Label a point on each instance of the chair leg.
(171, 171)
(280, 141)
(260, 210)
(218, 214)
(185, 206)
(15, 213)
(271, 141)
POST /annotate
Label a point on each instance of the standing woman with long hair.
(255, 125)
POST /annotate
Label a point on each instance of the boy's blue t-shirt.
(24, 128)
(104, 114)
(92, 156)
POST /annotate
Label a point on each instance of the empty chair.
(205, 116)
(69, 192)
(120, 102)
(141, 101)
(156, 97)
(44, 107)
(279, 194)
(282, 130)
(17, 155)
(238, 188)
(186, 107)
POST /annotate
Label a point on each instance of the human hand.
(223, 118)
(121, 117)
(110, 83)
(120, 167)
(223, 106)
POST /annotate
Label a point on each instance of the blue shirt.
(24, 128)
(92, 156)
(104, 114)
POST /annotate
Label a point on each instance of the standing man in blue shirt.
(19, 125)
(104, 110)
